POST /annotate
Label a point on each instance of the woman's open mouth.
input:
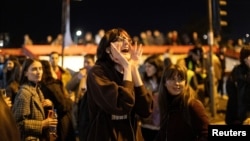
(125, 50)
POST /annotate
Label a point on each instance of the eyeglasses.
(123, 40)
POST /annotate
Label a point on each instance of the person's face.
(88, 63)
(34, 72)
(10, 65)
(54, 60)
(124, 43)
(150, 69)
(175, 85)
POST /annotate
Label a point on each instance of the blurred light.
(222, 12)
(223, 23)
(247, 35)
(205, 37)
(78, 33)
(223, 2)
(1, 43)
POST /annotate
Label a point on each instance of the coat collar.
(36, 95)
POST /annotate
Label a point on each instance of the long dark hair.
(183, 99)
(110, 36)
(12, 75)
(16, 73)
(47, 74)
(244, 53)
(156, 61)
(26, 64)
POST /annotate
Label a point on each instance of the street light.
(78, 35)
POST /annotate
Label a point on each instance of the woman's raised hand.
(117, 56)
(136, 53)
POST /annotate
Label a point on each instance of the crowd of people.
(34, 87)
(158, 100)
(148, 38)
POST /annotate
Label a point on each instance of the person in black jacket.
(54, 90)
(238, 90)
(115, 90)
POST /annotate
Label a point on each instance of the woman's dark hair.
(167, 62)
(54, 52)
(16, 72)
(47, 74)
(12, 58)
(164, 95)
(244, 53)
(25, 66)
(110, 36)
(12, 75)
(90, 56)
(156, 61)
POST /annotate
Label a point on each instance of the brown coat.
(8, 129)
(109, 95)
(177, 128)
(55, 91)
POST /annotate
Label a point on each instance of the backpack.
(83, 120)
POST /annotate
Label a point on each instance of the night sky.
(39, 18)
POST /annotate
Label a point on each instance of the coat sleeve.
(231, 84)
(108, 95)
(199, 120)
(73, 83)
(143, 101)
(29, 118)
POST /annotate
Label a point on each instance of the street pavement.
(219, 117)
